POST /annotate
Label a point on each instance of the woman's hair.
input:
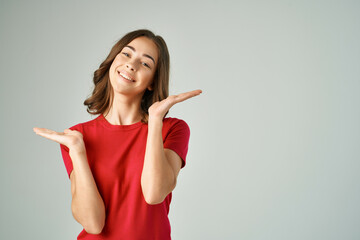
(102, 96)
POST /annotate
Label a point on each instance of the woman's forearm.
(157, 176)
(87, 205)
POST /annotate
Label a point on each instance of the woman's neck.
(124, 111)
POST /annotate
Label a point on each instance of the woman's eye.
(126, 54)
(146, 65)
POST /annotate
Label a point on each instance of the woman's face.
(133, 69)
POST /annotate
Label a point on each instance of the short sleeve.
(177, 139)
(65, 153)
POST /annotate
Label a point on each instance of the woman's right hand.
(70, 138)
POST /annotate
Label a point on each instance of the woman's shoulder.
(171, 122)
(80, 126)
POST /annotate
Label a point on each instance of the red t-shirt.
(115, 155)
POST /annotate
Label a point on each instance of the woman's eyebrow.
(145, 55)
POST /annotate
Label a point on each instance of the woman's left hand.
(158, 109)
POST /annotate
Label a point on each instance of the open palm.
(71, 138)
(158, 109)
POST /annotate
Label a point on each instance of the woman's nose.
(130, 66)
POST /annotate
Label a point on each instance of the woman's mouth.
(125, 77)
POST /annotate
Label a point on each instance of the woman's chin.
(128, 91)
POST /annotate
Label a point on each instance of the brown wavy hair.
(102, 96)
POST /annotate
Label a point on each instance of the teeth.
(126, 77)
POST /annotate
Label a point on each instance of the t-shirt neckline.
(108, 125)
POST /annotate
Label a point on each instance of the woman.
(123, 165)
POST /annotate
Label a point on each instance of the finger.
(184, 96)
(42, 130)
(49, 134)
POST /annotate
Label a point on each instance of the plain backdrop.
(275, 136)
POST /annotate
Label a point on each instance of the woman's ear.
(150, 87)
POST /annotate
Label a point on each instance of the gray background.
(274, 147)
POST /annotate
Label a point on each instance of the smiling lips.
(127, 77)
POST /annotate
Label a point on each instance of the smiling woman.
(134, 66)
(129, 49)
(123, 165)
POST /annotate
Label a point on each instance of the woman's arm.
(87, 205)
(161, 166)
